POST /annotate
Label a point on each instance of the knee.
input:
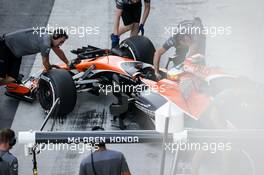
(128, 27)
(135, 26)
(134, 29)
(10, 79)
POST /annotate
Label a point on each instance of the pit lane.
(240, 54)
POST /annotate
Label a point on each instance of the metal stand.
(238, 138)
(34, 148)
(174, 163)
(165, 138)
(34, 160)
(52, 109)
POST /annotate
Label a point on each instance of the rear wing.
(90, 52)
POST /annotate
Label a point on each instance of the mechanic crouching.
(27, 42)
(189, 41)
(8, 162)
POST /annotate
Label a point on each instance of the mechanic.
(104, 161)
(8, 162)
(188, 41)
(27, 42)
(130, 11)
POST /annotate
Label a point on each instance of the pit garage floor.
(241, 52)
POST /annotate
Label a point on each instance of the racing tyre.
(57, 83)
(139, 48)
(233, 108)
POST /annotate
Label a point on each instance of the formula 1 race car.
(207, 97)
(194, 88)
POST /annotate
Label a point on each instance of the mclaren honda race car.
(207, 95)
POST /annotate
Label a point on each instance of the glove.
(115, 40)
(72, 63)
(158, 75)
(47, 68)
(141, 29)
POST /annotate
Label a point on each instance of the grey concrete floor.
(240, 52)
(16, 15)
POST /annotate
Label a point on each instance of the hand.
(115, 40)
(158, 75)
(71, 64)
(47, 67)
(141, 29)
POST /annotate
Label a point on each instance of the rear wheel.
(220, 163)
(138, 48)
(57, 83)
(233, 108)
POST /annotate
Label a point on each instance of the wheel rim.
(46, 94)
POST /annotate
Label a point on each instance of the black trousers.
(9, 63)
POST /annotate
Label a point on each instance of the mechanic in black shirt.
(130, 11)
(8, 162)
(188, 41)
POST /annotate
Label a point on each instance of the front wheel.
(57, 83)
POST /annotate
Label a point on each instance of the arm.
(193, 49)
(118, 15)
(157, 57)
(197, 45)
(124, 166)
(146, 12)
(46, 63)
(159, 52)
(59, 52)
